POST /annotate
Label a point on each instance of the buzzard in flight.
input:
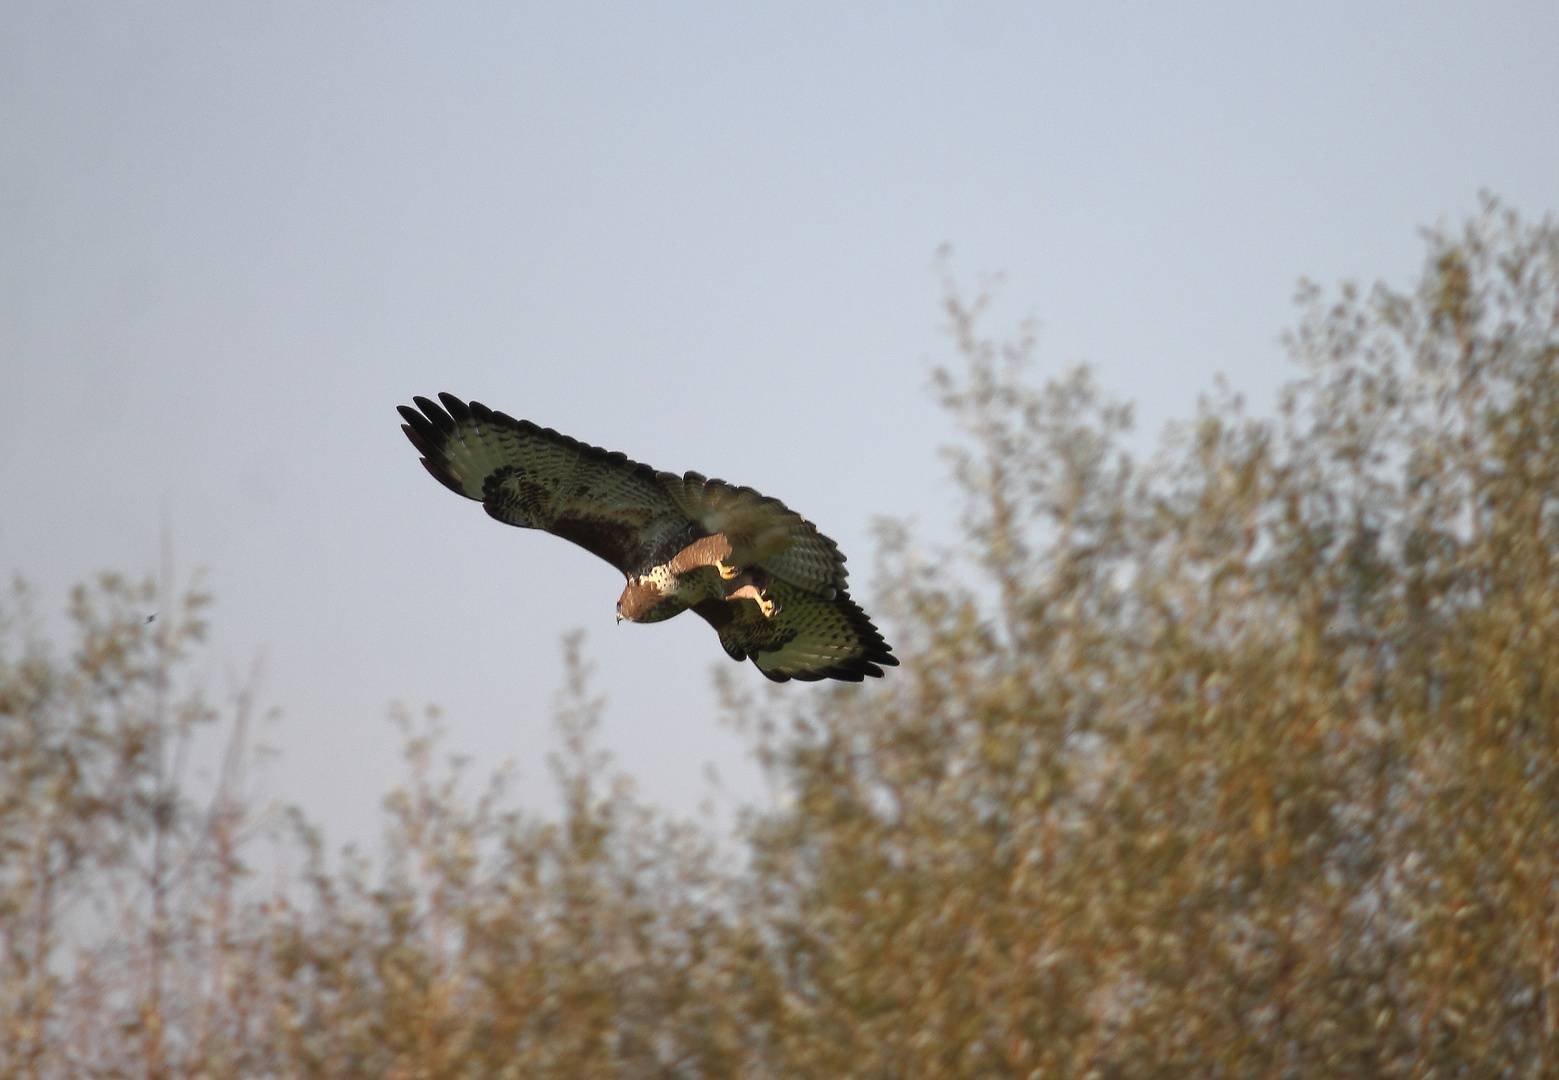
(770, 584)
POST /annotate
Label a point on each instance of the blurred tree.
(121, 946)
(1239, 764)
(1242, 762)
(494, 945)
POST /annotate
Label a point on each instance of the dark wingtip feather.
(423, 445)
(424, 427)
(437, 416)
(482, 413)
(457, 408)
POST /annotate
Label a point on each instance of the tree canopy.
(1238, 760)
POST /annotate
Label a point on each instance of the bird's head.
(636, 600)
(643, 602)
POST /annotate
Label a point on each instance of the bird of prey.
(770, 584)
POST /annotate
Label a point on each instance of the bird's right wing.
(535, 478)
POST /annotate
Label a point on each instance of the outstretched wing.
(535, 478)
(763, 532)
(808, 638)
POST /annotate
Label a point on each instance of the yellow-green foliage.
(1239, 762)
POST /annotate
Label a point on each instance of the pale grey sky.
(233, 236)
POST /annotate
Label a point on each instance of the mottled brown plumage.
(771, 585)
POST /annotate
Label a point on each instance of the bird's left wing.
(808, 638)
(535, 478)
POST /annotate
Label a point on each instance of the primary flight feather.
(770, 584)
